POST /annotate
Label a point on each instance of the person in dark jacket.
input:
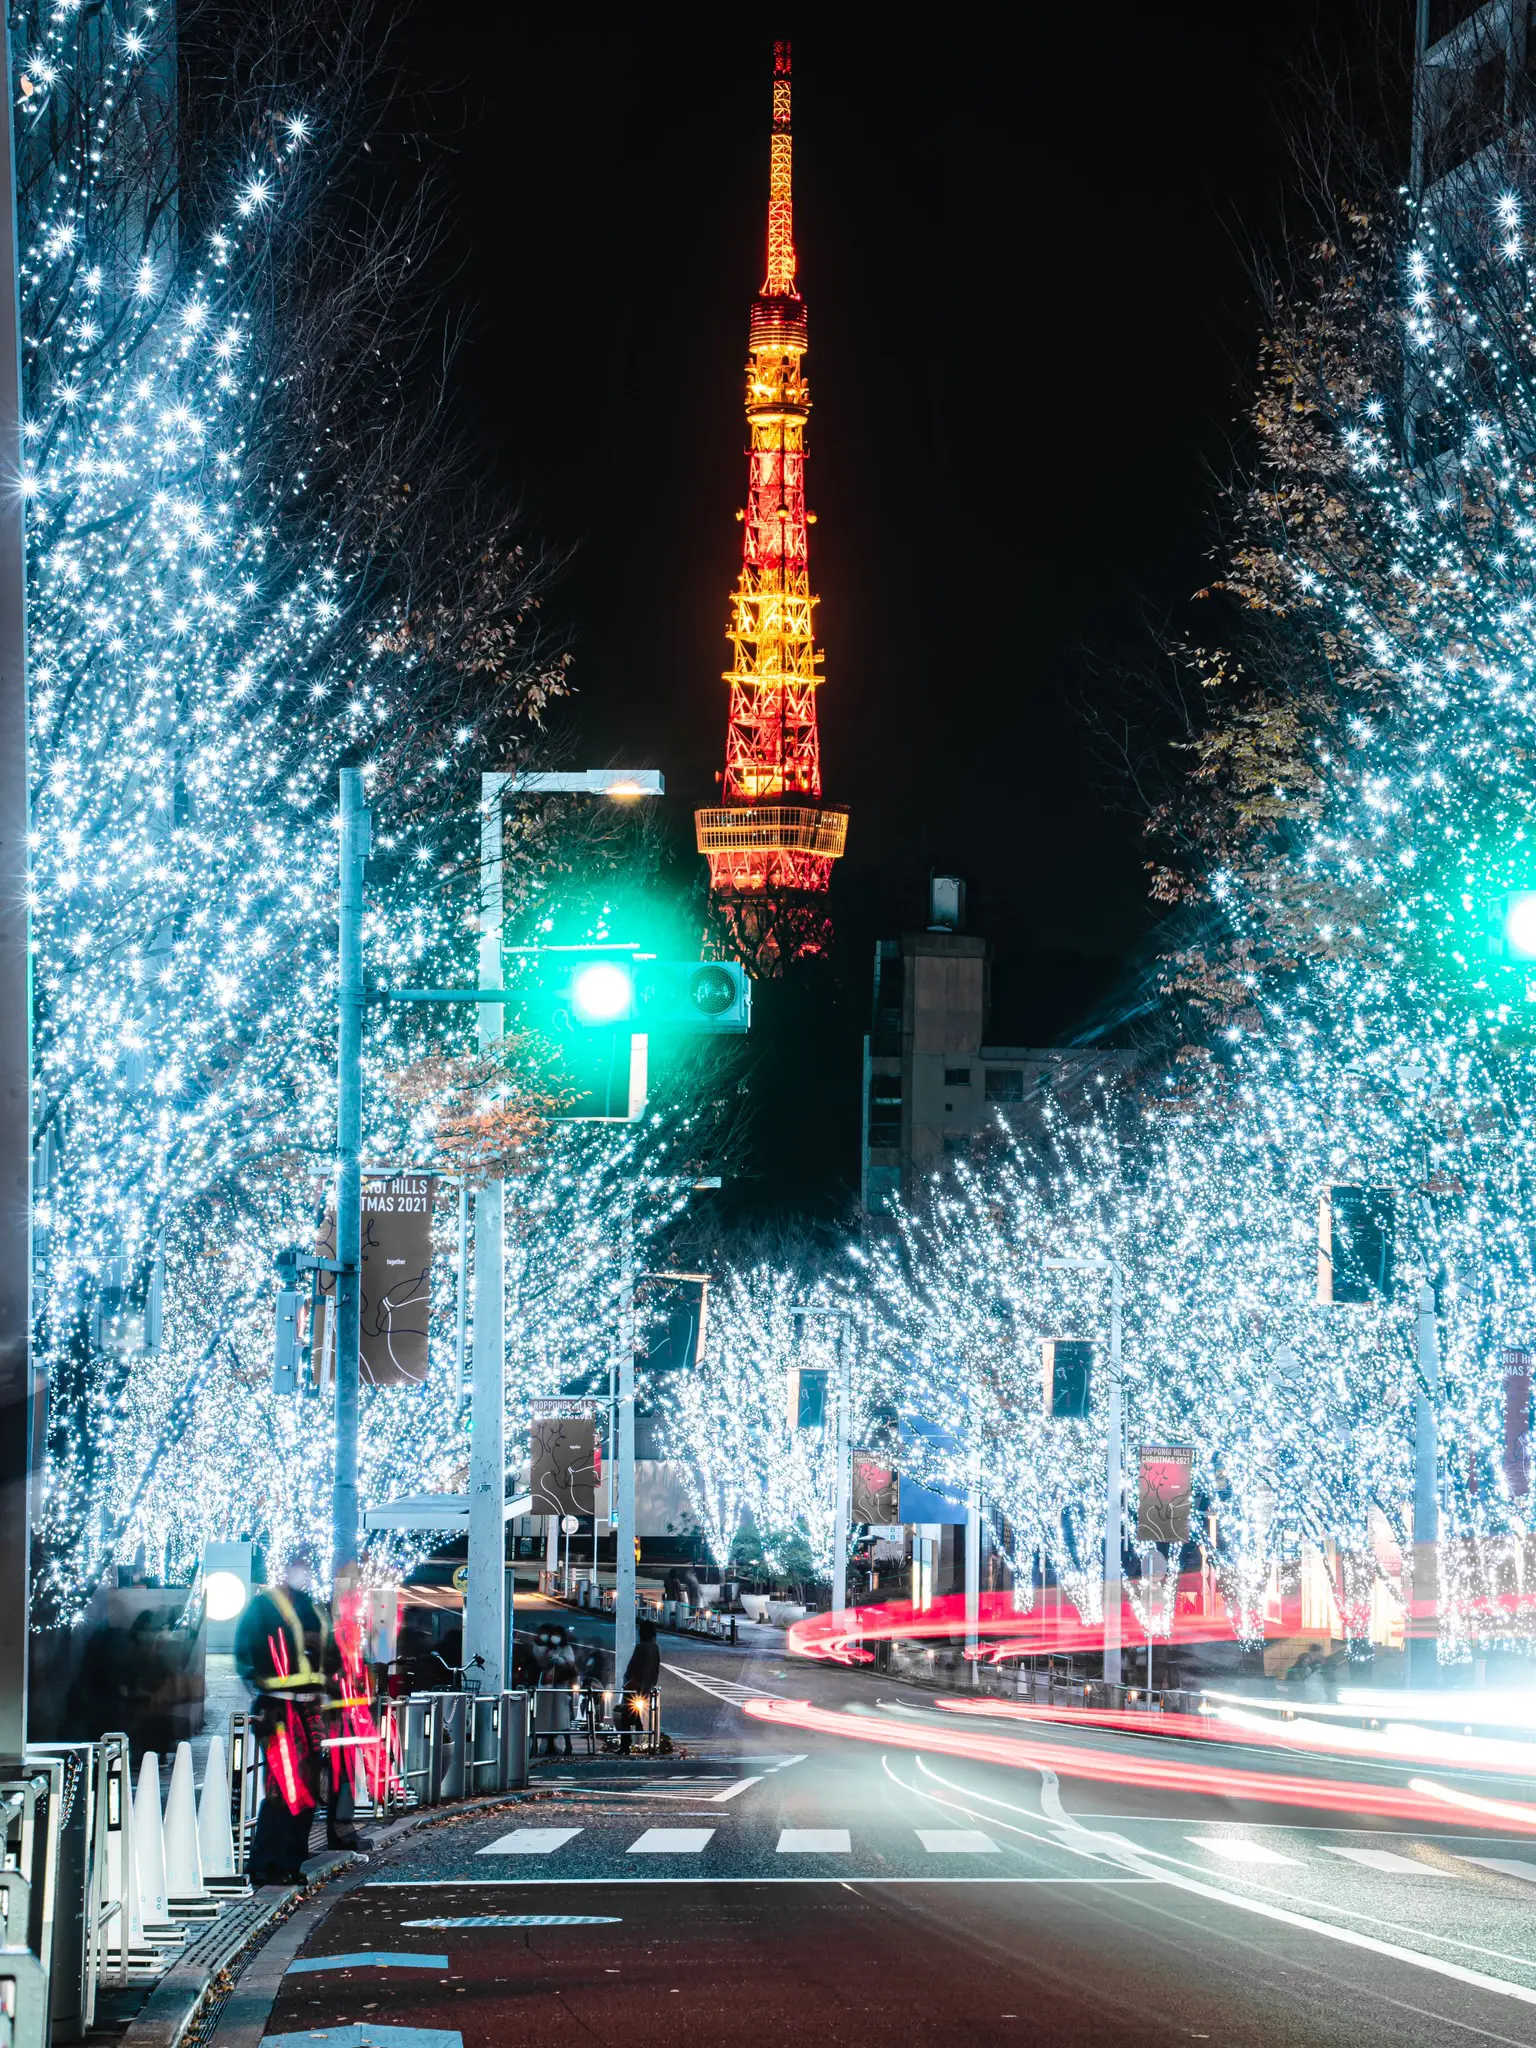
(641, 1675)
(286, 1649)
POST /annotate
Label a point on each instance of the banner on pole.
(1517, 1423)
(562, 1465)
(1167, 1483)
(876, 1491)
(396, 1282)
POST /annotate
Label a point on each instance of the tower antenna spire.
(770, 841)
(780, 281)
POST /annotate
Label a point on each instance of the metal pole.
(486, 1621)
(356, 825)
(1422, 1663)
(21, 1397)
(1112, 1594)
(624, 1535)
(460, 1331)
(973, 1555)
(844, 1472)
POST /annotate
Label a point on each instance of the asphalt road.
(866, 1883)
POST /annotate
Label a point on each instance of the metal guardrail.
(588, 1597)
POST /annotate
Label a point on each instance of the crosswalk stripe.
(729, 1690)
(956, 1841)
(1387, 1859)
(815, 1842)
(1238, 1849)
(730, 1792)
(670, 1842)
(530, 1842)
(1505, 1866)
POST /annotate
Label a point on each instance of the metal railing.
(589, 1597)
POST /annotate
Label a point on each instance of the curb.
(221, 1987)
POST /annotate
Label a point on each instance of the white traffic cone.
(215, 1840)
(149, 1854)
(185, 1891)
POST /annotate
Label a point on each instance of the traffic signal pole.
(20, 1396)
(624, 1636)
(486, 1621)
(1423, 1658)
(356, 834)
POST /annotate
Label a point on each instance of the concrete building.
(1474, 81)
(933, 1085)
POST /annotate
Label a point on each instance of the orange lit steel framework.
(769, 842)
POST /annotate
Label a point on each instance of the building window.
(1470, 116)
(1444, 15)
(1005, 1084)
(885, 1109)
(957, 1077)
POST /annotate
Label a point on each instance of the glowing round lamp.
(226, 1595)
(1520, 924)
(602, 993)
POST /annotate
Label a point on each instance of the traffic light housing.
(619, 988)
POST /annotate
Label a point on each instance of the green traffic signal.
(605, 987)
(1518, 925)
(602, 992)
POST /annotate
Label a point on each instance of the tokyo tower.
(770, 844)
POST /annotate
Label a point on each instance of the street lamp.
(485, 1591)
(1101, 1263)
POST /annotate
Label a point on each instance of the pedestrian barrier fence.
(449, 1745)
(673, 1614)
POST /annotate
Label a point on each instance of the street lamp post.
(21, 1396)
(485, 1616)
(356, 837)
(1422, 1663)
(486, 1620)
(1112, 1477)
(622, 1483)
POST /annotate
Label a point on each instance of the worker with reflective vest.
(285, 1647)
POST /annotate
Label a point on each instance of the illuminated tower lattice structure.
(770, 844)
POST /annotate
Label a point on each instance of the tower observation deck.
(770, 842)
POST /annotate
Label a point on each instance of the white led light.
(226, 1595)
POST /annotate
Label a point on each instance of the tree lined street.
(753, 1892)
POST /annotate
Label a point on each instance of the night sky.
(1025, 250)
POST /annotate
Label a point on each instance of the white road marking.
(522, 1920)
(368, 1958)
(1506, 1866)
(1238, 1849)
(1387, 1859)
(530, 1842)
(1126, 1854)
(815, 1842)
(727, 1689)
(956, 1842)
(358, 2035)
(730, 1792)
(670, 1842)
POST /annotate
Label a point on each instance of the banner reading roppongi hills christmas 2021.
(396, 1282)
(1167, 1482)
